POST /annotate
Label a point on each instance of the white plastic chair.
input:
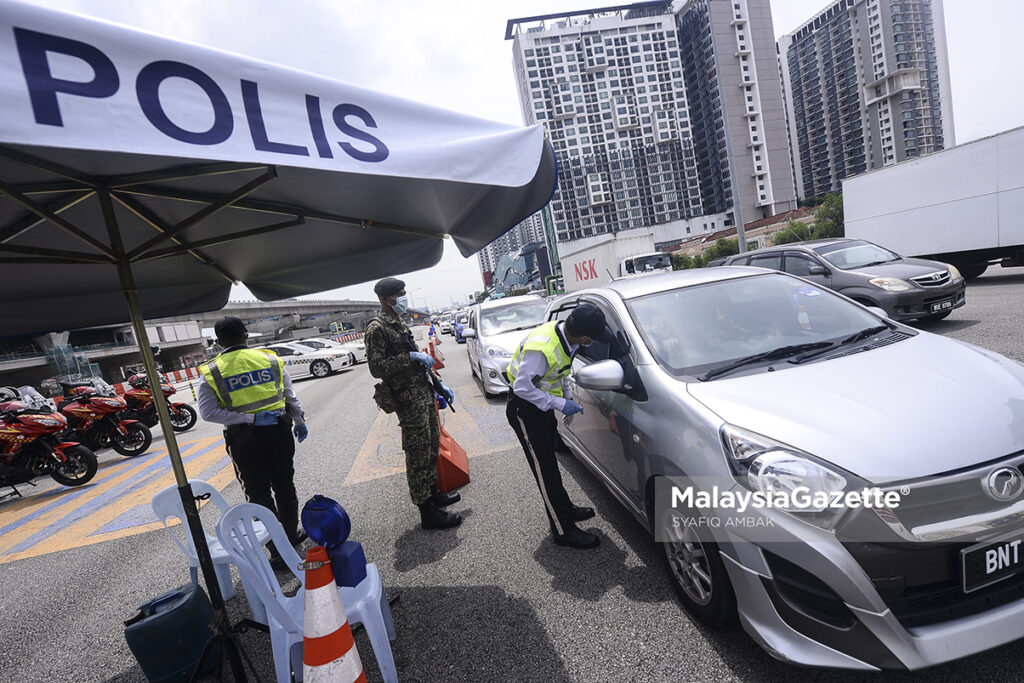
(365, 604)
(167, 504)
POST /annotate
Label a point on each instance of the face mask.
(401, 305)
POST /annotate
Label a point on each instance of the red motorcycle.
(93, 419)
(142, 408)
(31, 445)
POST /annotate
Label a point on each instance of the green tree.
(795, 231)
(721, 248)
(828, 217)
(682, 262)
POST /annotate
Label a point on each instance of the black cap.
(230, 329)
(388, 286)
(587, 320)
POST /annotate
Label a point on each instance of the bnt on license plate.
(987, 563)
(942, 305)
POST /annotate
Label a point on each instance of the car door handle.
(636, 438)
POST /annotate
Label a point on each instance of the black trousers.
(538, 434)
(264, 461)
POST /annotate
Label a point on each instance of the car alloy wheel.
(688, 560)
(320, 368)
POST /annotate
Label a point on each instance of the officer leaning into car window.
(538, 374)
(250, 393)
(404, 371)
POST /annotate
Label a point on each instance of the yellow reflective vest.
(544, 338)
(247, 380)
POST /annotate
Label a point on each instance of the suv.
(905, 288)
(494, 332)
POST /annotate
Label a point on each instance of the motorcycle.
(31, 444)
(94, 418)
(142, 408)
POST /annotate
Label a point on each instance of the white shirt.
(211, 410)
(535, 364)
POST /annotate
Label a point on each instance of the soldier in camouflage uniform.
(406, 389)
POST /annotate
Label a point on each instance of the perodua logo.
(1005, 483)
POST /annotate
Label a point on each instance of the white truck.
(611, 259)
(963, 205)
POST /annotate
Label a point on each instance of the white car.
(301, 361)
(356, 349)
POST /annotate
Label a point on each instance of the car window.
(856, 254)
(773, 261)
(523, 315)
(693, 329)
(738, 261)
(799, 264)
(598, 350)
(282, 350)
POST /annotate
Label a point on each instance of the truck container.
(963, 205)
(613, 258)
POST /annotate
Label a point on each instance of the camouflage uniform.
(388, 343)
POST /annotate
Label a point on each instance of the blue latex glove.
(418, 357)
(448, 394)
(301, 432)
(571, 407)
(441, 402)
(266, 418)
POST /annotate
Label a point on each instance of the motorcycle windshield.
(32, 399)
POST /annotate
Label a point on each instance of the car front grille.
(937, 279)
(921, 583)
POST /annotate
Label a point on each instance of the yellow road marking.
(80, 532)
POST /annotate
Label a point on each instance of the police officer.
(538, 374)
(250, 393)
(406, 378)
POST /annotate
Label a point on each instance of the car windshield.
(856, 254)
(313, 344)
(693, 330)
(518, 316)
(643, 264)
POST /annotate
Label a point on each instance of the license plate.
(987, 563)
(942, 305)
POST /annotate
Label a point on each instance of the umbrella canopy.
(200, 168)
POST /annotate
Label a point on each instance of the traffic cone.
(328, 651)
(436, 355)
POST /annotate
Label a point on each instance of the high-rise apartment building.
(525, 232)
(639, 100)
(866, 85)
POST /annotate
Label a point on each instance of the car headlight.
(791, 480)
(498, 352)
(891, 284)
(954, 272)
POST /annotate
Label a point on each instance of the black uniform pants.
(263, 459)
(538, 434)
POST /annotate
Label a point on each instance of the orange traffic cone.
(328, 651)
(435, 353)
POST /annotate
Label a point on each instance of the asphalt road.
(493, 600)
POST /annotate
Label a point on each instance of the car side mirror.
(817, 270)
(605, 375)
(468, 333)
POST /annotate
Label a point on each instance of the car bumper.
(842, 621)
(492, 374)
(915, 303)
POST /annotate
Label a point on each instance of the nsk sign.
(205, 117)
(586, 270)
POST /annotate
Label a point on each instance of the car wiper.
(852, 339)
(774, 354)
(877, 263)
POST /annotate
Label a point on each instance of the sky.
(452, 54)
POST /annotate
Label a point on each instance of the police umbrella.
(141, 177)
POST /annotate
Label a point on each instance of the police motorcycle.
(142, 408)
(95, 418)
(33, 443)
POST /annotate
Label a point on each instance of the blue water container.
(167, 635)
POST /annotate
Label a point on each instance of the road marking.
(381, 454)
(115, 504)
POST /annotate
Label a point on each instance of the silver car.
(741, 380)
(493, 333)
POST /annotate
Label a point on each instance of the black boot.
(575, 537)
(433, 517)
(444, 499)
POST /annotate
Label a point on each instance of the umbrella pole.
(222, 625)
